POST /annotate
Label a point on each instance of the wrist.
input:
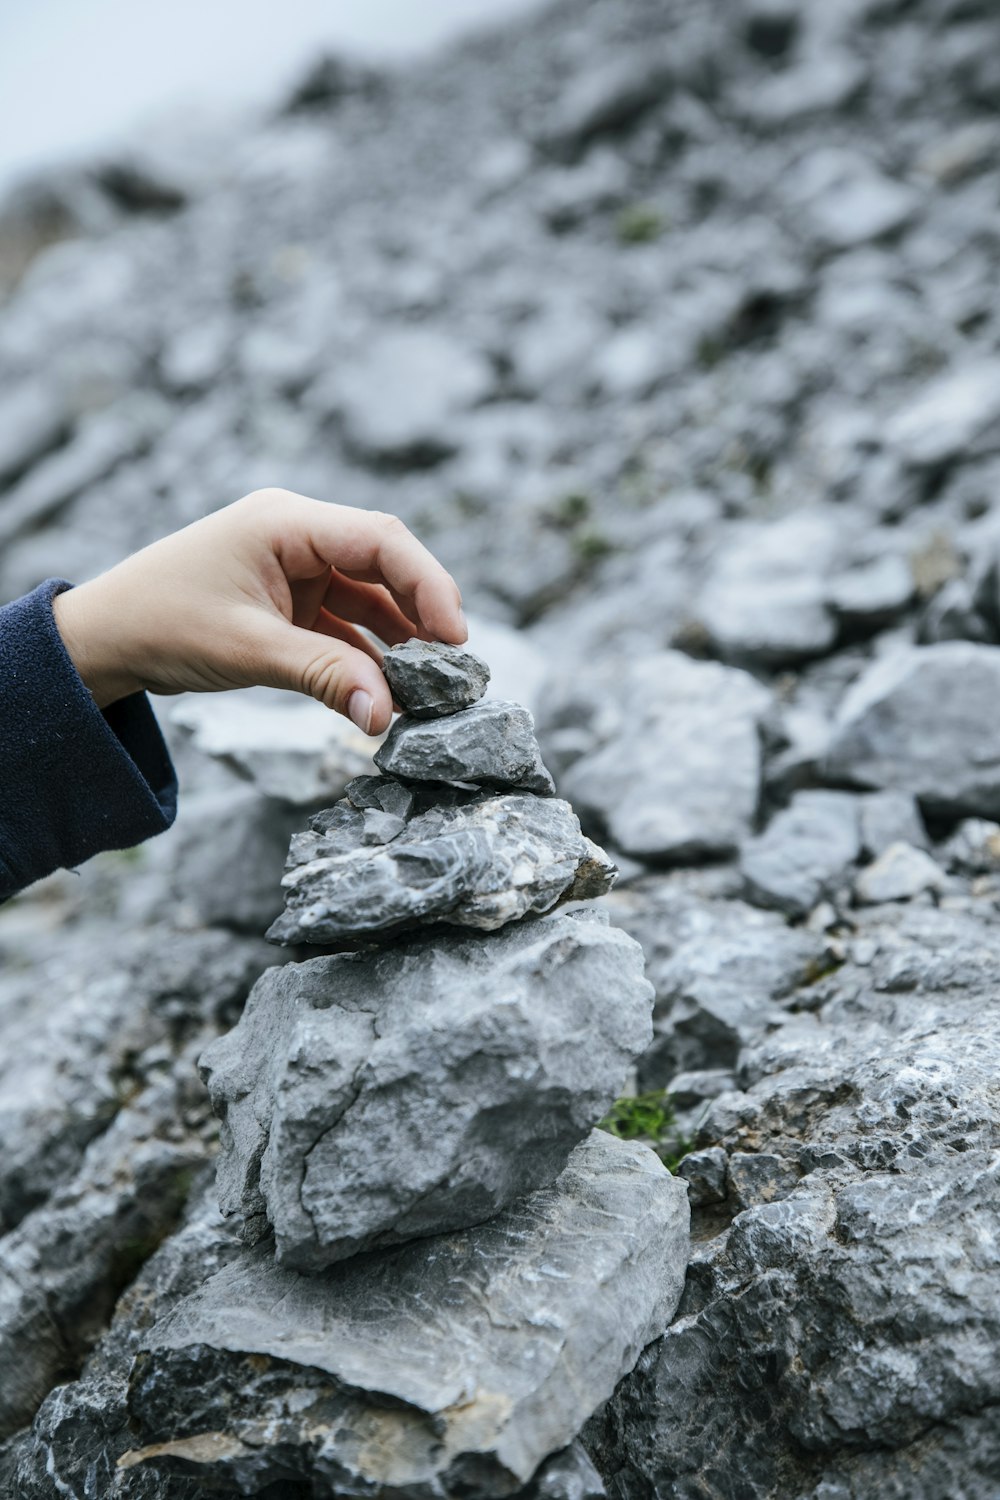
(85, 628)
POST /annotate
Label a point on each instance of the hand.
(270, 590)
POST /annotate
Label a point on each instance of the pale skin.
(275, 590)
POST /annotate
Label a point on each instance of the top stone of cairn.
(429, 679)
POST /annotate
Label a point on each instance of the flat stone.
(372, 1099)
(400, 400)
(900, 873)
(477, 1354)
(925, 720)
(390, 857)
(429, 679)
(490, 744)
(804, 853)
(667, 754)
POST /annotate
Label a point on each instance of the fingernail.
(360, 707)
(464, 621)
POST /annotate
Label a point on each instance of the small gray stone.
(386, 858)
(372, 1099)
(899, 874)
(925, 720)
(804, 853)
(490, 744)
(429, 679)
(705, 1174)
(475, 1354)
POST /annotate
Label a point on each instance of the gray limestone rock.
(957, 414)
(925, 720)
(841, 1338)
(705, 1174)
(490, 744)
(974, 847)
(720, 969)
(888, 818)
(399, 399)
(900, 873)
(430, 680)
(391, 857)
(371, 1099)
(804, 854)
(467, 1359)
(666, 756)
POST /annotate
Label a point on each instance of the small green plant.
(591, 546)
(569, 510)
(640, 224)
(648, 1117)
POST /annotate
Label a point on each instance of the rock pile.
(462, 1269)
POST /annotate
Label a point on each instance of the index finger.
(372, 547)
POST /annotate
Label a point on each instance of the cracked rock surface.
(264, 1374)
(368, 1100)
(389, 858)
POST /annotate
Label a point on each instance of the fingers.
(327, 624)
(371, 606)
(336, 672)
(366, 547)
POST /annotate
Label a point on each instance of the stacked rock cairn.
(446, 1268)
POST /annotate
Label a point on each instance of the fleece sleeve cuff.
(73, 780)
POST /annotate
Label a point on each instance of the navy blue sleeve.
(73, 780)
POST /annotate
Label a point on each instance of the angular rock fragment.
(925, 720)
(429, 679)
(372, 1099)
(491, 744)
(390, 857)
(804, 853)
(462, 1360)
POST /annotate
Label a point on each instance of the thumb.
(335, 673)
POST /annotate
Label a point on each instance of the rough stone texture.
(889, 818)
(490, 744)
(663, 755)
(104, 1123)
(390, 857)
(841, 1333)
(430, 680)
(804, 854)
(720, 969)
(926, 721)
(369, 1100)
(528, 1322)
(703, 348)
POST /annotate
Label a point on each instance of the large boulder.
(390, 857)
(925, 720)
(369, 1100)
(440, 1368)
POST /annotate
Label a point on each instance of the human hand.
(268, 591)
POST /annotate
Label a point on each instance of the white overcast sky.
(78, 74)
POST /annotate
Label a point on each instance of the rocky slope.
(674, 330)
